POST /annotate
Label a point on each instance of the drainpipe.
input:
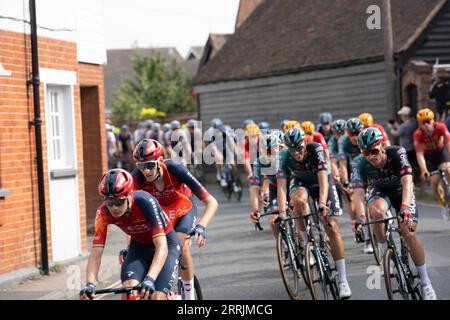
(37, 122)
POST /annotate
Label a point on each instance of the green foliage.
(167, 88)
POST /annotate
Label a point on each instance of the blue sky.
(161, 23)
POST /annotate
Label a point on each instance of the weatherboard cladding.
(345, 92)
(437, 42)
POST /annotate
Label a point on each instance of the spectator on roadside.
(125, 146)
(111, 147)
(440, 91)
(405, 133)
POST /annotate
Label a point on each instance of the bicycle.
(320, 269)
(399, 278)
(180, 288)
(371, 236)
(290, 260)
(179, 293)
(444, 191)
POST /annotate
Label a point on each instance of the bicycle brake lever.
(258, 227)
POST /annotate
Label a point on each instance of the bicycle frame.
(402, 258)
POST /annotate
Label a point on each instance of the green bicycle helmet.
(294, 137)
(339, 126)
(354, 125)
(369, 137)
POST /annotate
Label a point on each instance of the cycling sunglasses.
(114, 202)
(372, 152)
(297, 149)
(427, 122)
(146, 165)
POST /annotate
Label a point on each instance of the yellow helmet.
(308, 127)
(366, 119)
(252, 130)
(291, 124)
(425, 114)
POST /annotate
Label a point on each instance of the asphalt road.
(240, 263)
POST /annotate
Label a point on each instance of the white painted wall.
(79, 21)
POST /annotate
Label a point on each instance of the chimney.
(246, 8)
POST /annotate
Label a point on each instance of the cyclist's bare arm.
(343, 171)
(421, 161)
(160, 256)
(407, 186)
(323, 185)
(359, 197)
(254, 195)
(281, 195)
(93, 265)
(334, 169)
(211, 206)
(447, 145)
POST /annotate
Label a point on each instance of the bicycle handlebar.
(379, 221)
(118, 290)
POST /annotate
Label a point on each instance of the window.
(56, 138)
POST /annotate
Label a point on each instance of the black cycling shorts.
(434, 160)
(394, 199)
(313, 190)
(139, 258)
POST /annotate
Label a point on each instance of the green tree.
(168, 88)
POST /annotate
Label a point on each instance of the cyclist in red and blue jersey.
(172, 184)
(152, 258)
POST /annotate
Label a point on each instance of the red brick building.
(72, 112)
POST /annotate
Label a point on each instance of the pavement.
(240, 263)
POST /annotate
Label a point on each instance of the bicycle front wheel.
(394, 278)
(374, 242)
(288, 267)
(315, 274)
(198, 290)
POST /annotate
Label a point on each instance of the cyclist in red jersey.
(432, 145)
(313, 136)
(172, 185)
(154, 248)
(367, 120)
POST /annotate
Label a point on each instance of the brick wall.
(246, 7)
(94, 136)
(417, 73)
(20, 233)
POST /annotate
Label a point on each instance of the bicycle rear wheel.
(394, 278)
(287, 263)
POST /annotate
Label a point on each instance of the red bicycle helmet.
(148, 150)
(116, 184)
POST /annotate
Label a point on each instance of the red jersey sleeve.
(319, 138)
(101, 228)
